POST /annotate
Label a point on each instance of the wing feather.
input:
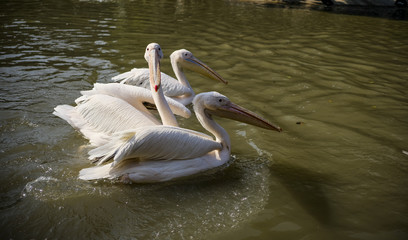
(155, 143)
(140, 77)
(109, 114)
(99, 116)
(134, 96)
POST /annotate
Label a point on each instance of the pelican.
(179, 89)
(162, 153)
(110, 108)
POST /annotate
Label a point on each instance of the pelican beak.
(238, 113)
(196, 65)
(154, 67)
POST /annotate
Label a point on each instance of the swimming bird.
(113, 107)
(179, 89)
(162, 153)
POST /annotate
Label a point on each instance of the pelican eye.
(147, 49)
(220, 100)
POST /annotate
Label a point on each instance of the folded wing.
(99, 116)
(135, 96)
(155, 143)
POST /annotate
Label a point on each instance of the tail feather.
(122, 76)
(97, 172)
(136, 76)
(70, 115)
(65, 112)
(107, 151)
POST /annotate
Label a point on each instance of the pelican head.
(153, 55)
(219, 105)
(186, 60)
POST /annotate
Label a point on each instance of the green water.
(336, 83)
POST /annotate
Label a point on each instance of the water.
(336, 83)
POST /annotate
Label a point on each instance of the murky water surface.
(336, 83)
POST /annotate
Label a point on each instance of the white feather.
(162, 153)
(97, 172)
(156, 143)
(153, 171)
(99, 116)
(134, 96)
(140, 77)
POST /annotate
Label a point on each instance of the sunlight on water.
(336, 83)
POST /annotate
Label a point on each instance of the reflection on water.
(334, 82)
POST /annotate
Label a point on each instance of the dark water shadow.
(307, 189)
(394, 13)
(391, 11)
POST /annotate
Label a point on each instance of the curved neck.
(166, 115)
(163, 107)
(210, 125)
(181, 77)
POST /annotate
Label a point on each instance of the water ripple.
(335, 83)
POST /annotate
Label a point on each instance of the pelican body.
(163, 153)
(179, 89)
(114, 107)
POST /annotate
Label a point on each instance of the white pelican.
(162, 153)
(178, 89)
(110, 108)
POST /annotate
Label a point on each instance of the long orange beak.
(238, 113)
(154, 67)
(196, 65)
